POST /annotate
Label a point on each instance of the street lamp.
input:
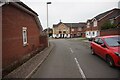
(47, 22)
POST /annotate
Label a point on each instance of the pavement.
(28, 68)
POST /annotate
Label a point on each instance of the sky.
(69, 11)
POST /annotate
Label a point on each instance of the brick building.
(94, 25)
(21, 33)
(67, 30)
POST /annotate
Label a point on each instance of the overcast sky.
(69, 11)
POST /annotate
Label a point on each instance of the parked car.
(107, 47)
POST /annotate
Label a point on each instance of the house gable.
(60, 27)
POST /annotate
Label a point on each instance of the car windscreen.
(113, 41)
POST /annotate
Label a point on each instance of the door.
(102, 50)
(95, 46)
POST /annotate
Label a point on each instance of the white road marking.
(80, 69)
(71, 50)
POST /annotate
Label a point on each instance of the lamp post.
(47, 22)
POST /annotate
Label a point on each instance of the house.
(67, 30)
(21, 33)
(95, 25)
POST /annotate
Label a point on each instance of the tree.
(107, 25)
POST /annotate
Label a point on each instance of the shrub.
(107, 25)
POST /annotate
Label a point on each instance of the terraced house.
(67, 30)
(106, 20)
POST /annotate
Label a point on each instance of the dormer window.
(95, 23)
(88, 25)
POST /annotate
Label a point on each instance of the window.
(88, 25)
(60, 32)
(64, 32)
(96, 40)
(72, 29)
(79, 29)
(113, 41)
(100, 41)
(24, 32)
(95, 23)
(93, 33)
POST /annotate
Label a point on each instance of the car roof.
(108, 36)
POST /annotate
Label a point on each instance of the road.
(73, 59)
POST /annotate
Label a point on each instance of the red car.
(107, 47)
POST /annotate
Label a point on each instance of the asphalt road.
(73, 59)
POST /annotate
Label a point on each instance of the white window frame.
(88, 25)
(95, 23)
(24, 34)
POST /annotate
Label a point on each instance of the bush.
(107, 25)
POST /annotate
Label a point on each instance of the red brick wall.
(12, 45)
(44, 41)
(110, 32)
(106, 18)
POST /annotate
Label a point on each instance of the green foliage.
(107, 25)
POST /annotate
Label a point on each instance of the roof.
(71, 24)
(23, 7)
(89, 20)
(116, 13)
(18, 2)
